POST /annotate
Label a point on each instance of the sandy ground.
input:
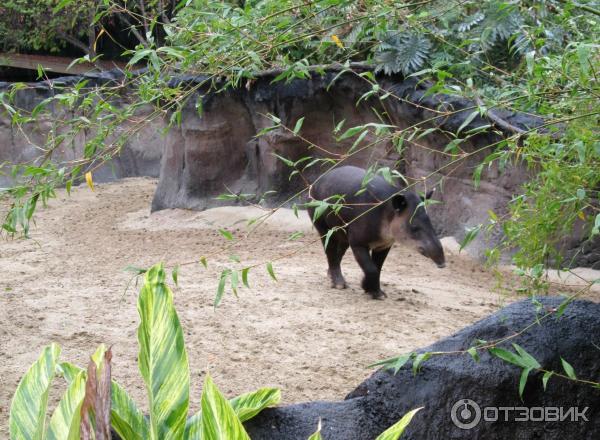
(67, 285)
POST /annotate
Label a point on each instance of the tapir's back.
(347, 181)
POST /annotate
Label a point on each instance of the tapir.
(372, 217)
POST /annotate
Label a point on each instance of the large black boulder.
(382, 399)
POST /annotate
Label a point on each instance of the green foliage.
(396, 363)
(164, 367)
(560, 194)
(28, 407)
(165, 371)
(56, 25)
(395, 431)
(521, 359)
(32, 25)
(405, 52)
(219, 420)
(248, 405)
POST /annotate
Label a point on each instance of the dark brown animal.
(371, 219)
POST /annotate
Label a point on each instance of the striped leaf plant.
(164, 367)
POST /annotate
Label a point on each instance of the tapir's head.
(412, 225)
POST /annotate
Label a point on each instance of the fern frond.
(501, 22)
(405, 52)
(471, 21)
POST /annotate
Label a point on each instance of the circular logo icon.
(466, 414)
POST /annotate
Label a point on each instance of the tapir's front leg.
(379, 256)
(371, 280)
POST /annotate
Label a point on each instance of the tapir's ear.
(399, 203)
(428, 195)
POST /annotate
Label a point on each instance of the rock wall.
(20, 144)
(218, 153)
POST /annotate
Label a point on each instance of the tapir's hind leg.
(335, 250)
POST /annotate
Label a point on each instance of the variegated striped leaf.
(249, 405)
(27, 418)
(219, 421)
(66, 418)
(193, 427)
(163, 360)
(125, 417)
(396, 430)
(245, 406)
(68, 371)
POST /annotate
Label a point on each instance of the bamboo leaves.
(396, 430)
(521, 359)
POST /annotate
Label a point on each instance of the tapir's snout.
(439, 258)
(435, 252)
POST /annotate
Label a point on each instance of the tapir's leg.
(379, 257)
(371, 280)
(335, 251)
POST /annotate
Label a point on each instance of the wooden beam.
(56, 64)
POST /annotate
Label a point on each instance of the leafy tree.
(33, 25)
(62, 25)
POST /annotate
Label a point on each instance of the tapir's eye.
(414, 229)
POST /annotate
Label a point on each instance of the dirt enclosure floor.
(67, 285)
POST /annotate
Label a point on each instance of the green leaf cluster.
(164, 367)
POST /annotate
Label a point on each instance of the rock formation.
(491, 383)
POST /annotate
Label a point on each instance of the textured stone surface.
(140, 156)
(224, 155)
(383, 398)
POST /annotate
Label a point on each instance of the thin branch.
(144, 18)
(92, 36)
(335, 67)
(497, 120)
